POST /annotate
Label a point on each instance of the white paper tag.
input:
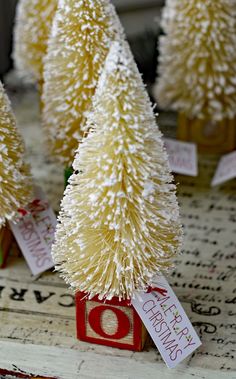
(35, 233)
(167, 323)
(226, 169)
(182, 157)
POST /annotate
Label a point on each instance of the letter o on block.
(113, 323)
(95, 320)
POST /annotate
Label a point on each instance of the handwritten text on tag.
(167, 323)
(182, 157)
(35, 233)
(226, 169)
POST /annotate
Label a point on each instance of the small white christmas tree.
(197, 64)
(81, 37)
(119, 225)
(15, 179)
(33, 25)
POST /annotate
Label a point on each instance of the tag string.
(161, 291)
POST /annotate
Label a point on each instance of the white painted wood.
(71, 364)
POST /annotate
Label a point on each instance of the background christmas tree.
(33, 26)
(197, 65)
(82, 33)
(119, 225)
(15, 178)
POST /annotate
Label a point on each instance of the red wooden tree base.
(113, 323)
(5, 245)
(211, 137)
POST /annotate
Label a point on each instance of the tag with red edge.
(166, 322)
(34, 233)
(182, 157)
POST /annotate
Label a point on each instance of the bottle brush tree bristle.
(197, 63)
(33, 25)
(119, 224)
(15, 178)
(80, 40)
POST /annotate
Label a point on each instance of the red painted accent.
(95, 320)
(21, 375)
(82, 321)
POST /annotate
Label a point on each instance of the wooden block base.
(211, 137)
(112, 323)
(5, 245)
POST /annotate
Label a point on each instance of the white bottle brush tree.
(197, 64)
(33, 25)
(119, 225)
(15, 178)
(81, 36)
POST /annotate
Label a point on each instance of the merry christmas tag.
(34, 233)
(182, 157)
(226, 169)
(166, 322)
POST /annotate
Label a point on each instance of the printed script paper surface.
(205, 276)
(42, 311)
